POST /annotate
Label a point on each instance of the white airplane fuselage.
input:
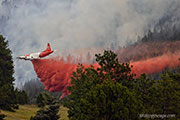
(37, 55)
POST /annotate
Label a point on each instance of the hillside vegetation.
(26, 111)
(23, 113)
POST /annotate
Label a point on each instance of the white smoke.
(69, 24)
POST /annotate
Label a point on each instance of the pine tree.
(40, 100)
(165, 96)
(143, 88)
(21, 97)
(50, 113)
(109, 65)
(7, 94)
(108, 101)
(103, 93)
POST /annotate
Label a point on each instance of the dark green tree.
(7, 94)
(82, 81)
(110, 66)
(165, 95)
(142, 88)
(108, 101)
(44, 99)
(49, 100)
(40, 100)
(159, 96)
(91, 97)
(50, 113)
(21, 97)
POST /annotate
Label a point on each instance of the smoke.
(74, 24)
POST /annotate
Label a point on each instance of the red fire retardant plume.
(55, 73)
(156, 64)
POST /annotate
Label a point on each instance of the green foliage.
(111, 92)
(23, 113)
(160, 96)
(82, 80)
(6, 63)
(49, 100)
(21, 97)
(102, 93)
(44, 99)
(108, 101)
(50, 113)
(166, 95)
(110, 65)
(143, 89)
(7, 94)
(40, 100)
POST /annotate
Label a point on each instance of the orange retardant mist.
(156, 64)
(55, 73)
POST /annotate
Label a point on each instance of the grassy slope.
(26, 111)
(23, 113)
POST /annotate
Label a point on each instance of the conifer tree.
(40, 100)
(21, 97)
(104, 93)
(166, 96)
(7, 94)
(49, 113)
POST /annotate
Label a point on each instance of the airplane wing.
(29, 57)
(21, 57)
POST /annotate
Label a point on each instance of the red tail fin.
(48, 47)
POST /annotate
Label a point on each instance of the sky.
(29, 25)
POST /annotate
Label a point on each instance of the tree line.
(163, 32)
(109, 92)
(112, 92)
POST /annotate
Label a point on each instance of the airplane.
(37, 55)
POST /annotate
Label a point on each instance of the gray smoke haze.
(29, 25)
